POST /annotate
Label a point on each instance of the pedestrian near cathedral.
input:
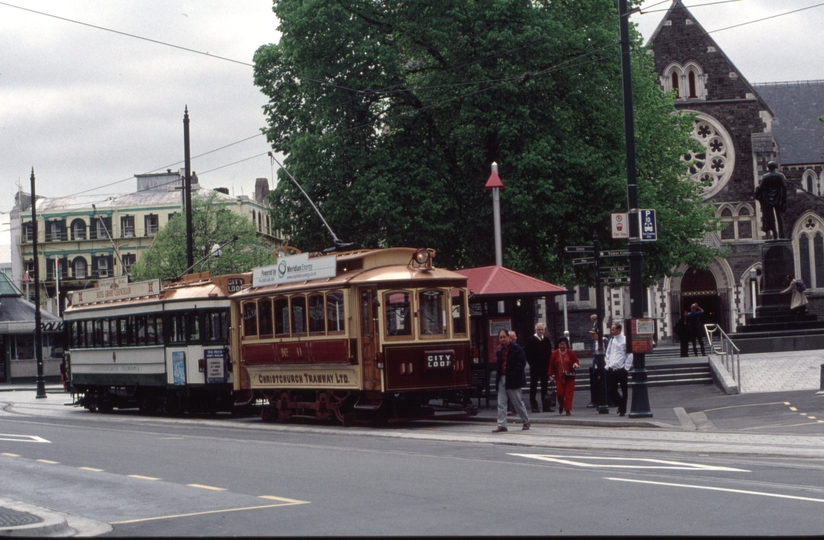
(618, 365)
(562, 367)
(538, 350)
(682, 331)
(798, 303)
(511, 379)
(694, 325)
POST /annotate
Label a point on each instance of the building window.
(102, 267)
(674, 82)
(810, 182)
(128, 260)
(79, 268)
(713, 166)
(28, 231)
(150, 222)
(78, 229)
(744, 224)
(737, 222)
(102, 226)
(583, 294)
(127, 226)
(54, 231)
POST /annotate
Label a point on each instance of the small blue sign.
(179, 368)
(649, 228)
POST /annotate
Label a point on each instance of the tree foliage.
(212, 224)
(390, 114)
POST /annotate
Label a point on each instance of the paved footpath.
(778, 399)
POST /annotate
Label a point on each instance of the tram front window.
(432, 315)
(398, 314)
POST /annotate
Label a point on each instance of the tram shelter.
(17, 324)
(503, 299)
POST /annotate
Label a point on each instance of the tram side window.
(432, 315)
(88, 329)
(193, 324)
(458, 315)
(298, 315)
(78, 336)
(282, 316)
(140, 325)
(317, 314)
(159, 324)
(250, 319)
(398, 314)
(122, 331)
(105, 333)
(216, 326)
(151, 330)
(334, 312)
(265, 317)
(177, 328)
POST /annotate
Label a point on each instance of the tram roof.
(389, 266)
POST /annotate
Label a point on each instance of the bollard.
(821, 384)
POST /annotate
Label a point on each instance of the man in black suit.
(538, 351)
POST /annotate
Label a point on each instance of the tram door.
(369, 338)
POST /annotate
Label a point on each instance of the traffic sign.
(615, 253)
(620, 226)
(648, 227)
(620, 281)
(579, 249)
(615, 269)
(585, 260)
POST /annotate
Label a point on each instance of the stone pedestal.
(777, 263)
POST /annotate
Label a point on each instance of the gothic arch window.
(737, 222)
(686, 80)
(811, 251)
(714, 166)
(810, 182)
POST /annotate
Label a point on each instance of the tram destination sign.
(439, 359)
(116, 289)
(295, 268)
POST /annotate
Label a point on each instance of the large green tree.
(390, 114)
(212, 224)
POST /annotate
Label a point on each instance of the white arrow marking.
(644, 463)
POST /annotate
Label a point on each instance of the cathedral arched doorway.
(699, 286)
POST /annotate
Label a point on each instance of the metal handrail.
(730, 354)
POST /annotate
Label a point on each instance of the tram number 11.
(439, 359)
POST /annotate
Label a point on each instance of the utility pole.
(38, 330)
(190, 257)
(640, 396)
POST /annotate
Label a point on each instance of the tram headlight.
(423, 258)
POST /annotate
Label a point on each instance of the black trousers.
(697, 336)
(539, 371)
(616, 378)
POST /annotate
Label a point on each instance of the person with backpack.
(798, 303)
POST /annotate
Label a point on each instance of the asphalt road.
(738, 474)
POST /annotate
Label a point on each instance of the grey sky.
(87, 108)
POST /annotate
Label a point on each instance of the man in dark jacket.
(538, 350)
(511, 378)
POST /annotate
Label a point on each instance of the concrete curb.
(54, 524)
(723, 376)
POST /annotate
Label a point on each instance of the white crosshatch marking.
(606, 462)
(22, 438)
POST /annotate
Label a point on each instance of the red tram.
(367, 334)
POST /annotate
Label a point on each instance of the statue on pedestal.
(772, 194)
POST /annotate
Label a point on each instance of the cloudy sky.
(89, 108)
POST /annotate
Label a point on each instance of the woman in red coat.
(562, 366)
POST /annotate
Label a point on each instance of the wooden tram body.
(160, 348)
(379, 336)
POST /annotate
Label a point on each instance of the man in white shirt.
(618, 364)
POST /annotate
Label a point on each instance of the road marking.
(10, 454)
(201, 486)
(170, 438)
(205, 513)
(749, 405)
(139, 477)
(645, 463)
(793, 409)
(22, 438)
(729, 490)
(50, 462)
(283, 499)
(91, 469)
(779, 426)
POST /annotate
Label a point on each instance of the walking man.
(511, 366)
(538, 351)
(618, 365)
(694, 324)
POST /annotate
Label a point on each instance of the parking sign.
(649, 229)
